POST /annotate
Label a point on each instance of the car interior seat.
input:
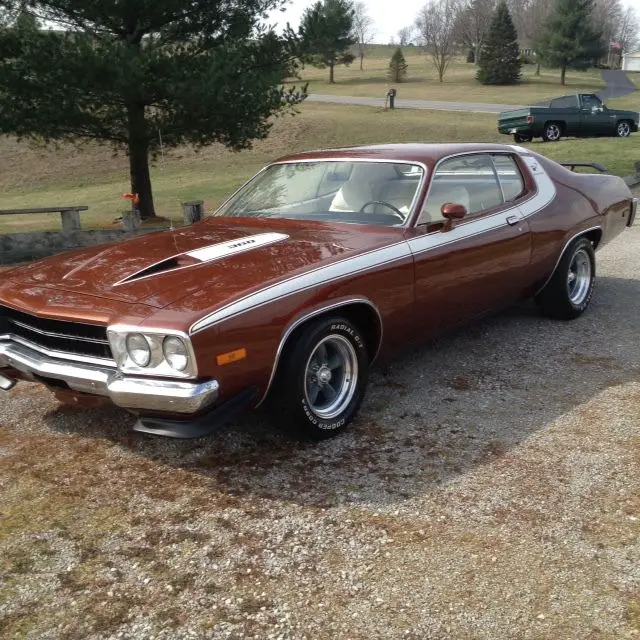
(364, 185)
(443, 193)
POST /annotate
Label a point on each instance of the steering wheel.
(396, 211)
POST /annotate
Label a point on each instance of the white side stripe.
(546, 188)
(545, 194)
(321, 275)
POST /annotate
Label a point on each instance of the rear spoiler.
(593, 165)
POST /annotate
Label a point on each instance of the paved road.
(471, 107)
(618, 85)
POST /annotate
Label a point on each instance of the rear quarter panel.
(583, 203)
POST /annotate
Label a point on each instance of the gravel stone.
(489, 489)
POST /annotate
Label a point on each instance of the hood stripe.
(211, 253)
(232, 247)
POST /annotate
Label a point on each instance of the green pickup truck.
(579, 115)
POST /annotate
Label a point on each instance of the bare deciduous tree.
(473, 22)
(405, 36)
(362, 29)
(436, 25)
(530, 17)
(607, 15)
(628, 31)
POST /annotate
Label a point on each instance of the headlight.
(175, 353)
(152, 352)
(138, 349)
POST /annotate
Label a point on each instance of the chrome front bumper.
(136, 393)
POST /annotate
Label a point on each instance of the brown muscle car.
(320, 264)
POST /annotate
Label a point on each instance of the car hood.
(227, 257)
(634, 115)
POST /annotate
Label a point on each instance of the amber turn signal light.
(231, 356)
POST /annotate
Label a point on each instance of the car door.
(567, 109)
(480, 264)
(595, 118)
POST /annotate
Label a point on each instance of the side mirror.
(452, 212)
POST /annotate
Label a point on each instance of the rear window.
(566, 102)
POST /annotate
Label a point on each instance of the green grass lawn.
(93, 176)
(459, 82)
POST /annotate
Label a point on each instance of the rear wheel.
(552, 132)
(520, 138)
(569, 292)
(322, 379)
(623, 129)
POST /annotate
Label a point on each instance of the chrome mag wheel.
(331, 376)
(553, 132)
(624, 130)
(579, 277)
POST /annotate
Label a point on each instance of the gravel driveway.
(490, 489)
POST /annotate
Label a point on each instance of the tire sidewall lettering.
(346, 329)
(316, 422)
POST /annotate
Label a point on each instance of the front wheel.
(322, 379)
(623, 129)
(568, 293)
(552, 132)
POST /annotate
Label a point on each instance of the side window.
(589, 101)
(467, 180)
(510, 177)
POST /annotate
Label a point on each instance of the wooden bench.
(70, 215)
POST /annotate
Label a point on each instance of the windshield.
(378, 193)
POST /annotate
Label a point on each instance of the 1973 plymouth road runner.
(317, 266)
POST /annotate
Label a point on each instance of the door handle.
(511, 220)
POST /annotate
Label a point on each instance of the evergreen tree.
(500, 57)
(327, 33)
(132, 72)
(570, 39)
(398, 66)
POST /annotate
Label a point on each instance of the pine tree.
(570, 39)
(127, 72)
(327, 33)
(398, 66)
(500, 55)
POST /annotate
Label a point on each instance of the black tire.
(519, 138)
(623, 129)
(552, 132)
(570, 289)
(298, 377)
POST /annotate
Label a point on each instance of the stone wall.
(22, 247)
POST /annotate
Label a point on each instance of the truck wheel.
(519, 138)
(552, 132)
(322, 379)
(568, 293)
(623, 129)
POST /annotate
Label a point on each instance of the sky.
(389, 15)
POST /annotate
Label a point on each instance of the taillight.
(529, 119)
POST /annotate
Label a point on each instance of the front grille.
(74, 338)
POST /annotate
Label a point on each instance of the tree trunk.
(563, 72)
(331, 65)
(538, 69)
(361, 61)
(139, 162)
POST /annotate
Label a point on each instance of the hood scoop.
(205, 254)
